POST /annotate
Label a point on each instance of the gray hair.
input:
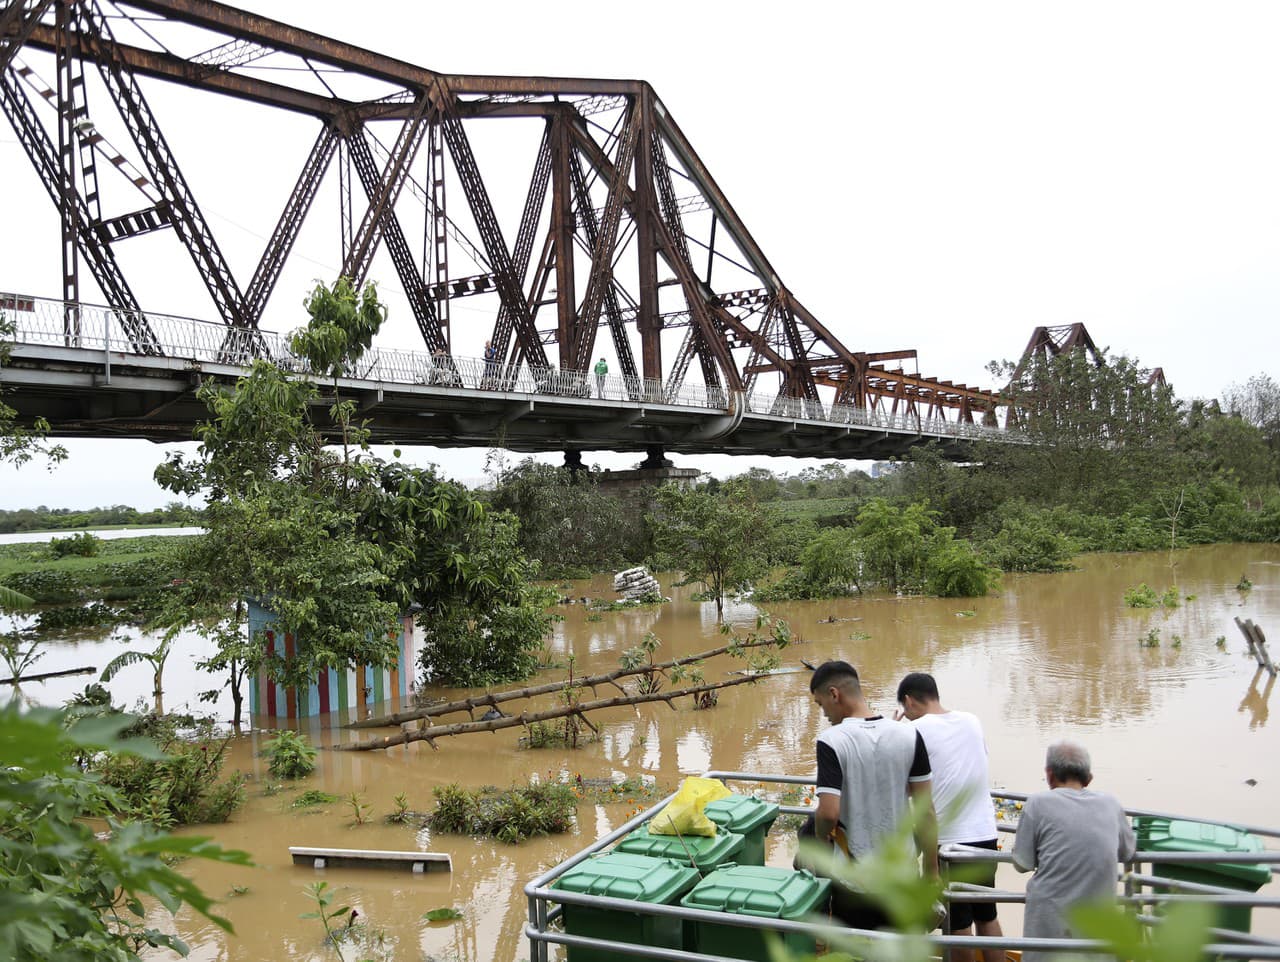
(1069, 761)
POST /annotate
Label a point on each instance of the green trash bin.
(706, 853)
(749, 817)
(1155, 834)
(622, 875)
(759, 890)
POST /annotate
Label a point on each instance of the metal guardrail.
(47, 322)
(545, 902)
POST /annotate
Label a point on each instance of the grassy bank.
(122, 570)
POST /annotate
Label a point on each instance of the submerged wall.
(354, 691)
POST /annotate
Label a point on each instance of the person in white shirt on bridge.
(961, 797)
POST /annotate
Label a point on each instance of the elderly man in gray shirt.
(1073, 838)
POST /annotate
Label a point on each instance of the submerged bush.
(93, 615)
(511, 815)
(1028, 540)
(1144, 596)
(954, 570)
(290, 755)
(182, 787)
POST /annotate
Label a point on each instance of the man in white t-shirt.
(961, 797)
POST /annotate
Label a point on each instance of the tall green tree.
(338, 545)
(1099, 432)
(895, 542)
(719, 540)
(566, 521)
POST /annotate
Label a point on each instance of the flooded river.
(1182, 726)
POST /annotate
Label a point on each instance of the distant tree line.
(1112, 463)
(60, 519)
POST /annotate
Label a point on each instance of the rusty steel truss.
(622, 235)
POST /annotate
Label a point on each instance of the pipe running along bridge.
(624, 247)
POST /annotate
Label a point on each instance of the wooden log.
(48, 674)
(430, 733)
(419, 862)
(492, 700)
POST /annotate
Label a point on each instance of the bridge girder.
(617, 241)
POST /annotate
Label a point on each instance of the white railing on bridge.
(43, 321)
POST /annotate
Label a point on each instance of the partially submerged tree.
(336, 547)
(719, 539)
(566, 522)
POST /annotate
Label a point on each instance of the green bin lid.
(1158, 834)
(698, 850)
(742, 813)
(760, 890)
(621, 875)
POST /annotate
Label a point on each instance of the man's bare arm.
(925, 824)
(827, 816)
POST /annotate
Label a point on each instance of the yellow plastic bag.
(684, 814)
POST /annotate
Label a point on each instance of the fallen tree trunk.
(591, 681)
(48, 674)
(430, 733)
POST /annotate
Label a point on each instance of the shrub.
(82, 544)
(1143, 596)
(312, 797)
(183, 787)
(1028, 540)
(510, 815)
(954, 570)
(290, 755)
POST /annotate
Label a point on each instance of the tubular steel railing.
(545, 903)
(46, 322)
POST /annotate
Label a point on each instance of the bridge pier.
(573, 461)
(655, 459)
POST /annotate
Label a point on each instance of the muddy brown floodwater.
(1180, 727)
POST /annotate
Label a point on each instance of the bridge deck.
(97, 384)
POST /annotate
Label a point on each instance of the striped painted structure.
(354, 691)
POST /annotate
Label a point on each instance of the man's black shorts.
(961, 915)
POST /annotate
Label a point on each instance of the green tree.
(342, 327)
(953, 568)
(895, 542)
(832, 561)
(337, 546)
(1099, 432)
(566, 521)
(718, 540)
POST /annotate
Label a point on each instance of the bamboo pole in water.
(492, 700)
(430, 733)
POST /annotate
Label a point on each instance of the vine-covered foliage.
(70, 894)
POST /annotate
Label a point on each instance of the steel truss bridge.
(624, 245)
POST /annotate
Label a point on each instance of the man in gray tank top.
(1072, 838)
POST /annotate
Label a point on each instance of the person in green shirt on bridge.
(602, 369)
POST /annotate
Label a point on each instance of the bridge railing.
(43, 321)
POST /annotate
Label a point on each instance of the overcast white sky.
(943, 176)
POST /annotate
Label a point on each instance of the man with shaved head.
(1073, 838)
(871, 771)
